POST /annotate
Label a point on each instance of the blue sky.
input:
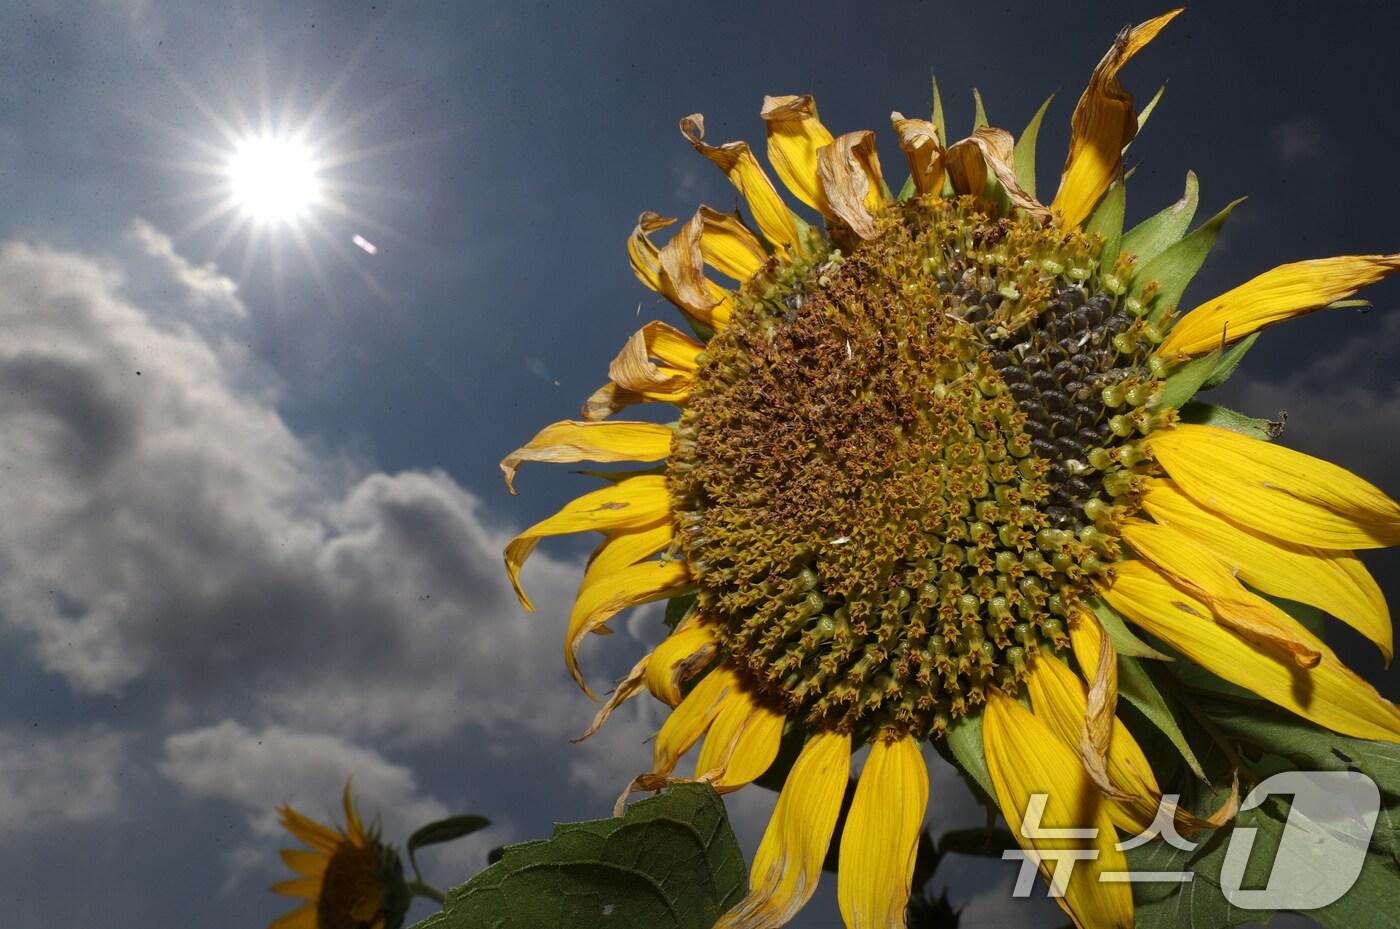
(250, 514)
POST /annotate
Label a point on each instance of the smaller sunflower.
(348, 877)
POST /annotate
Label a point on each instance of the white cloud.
(262, 769)
(71, 778)
(1298, 139)
(170, 527)
(204, 284)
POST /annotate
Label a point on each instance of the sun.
(273, 179)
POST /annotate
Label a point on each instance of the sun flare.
(274, 179)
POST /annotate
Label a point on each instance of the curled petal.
(882, 835)
(636, 377)
(584, 441)
(1330, 694)
(637, 501)
(626, 689)
(1199, 573)
(738, 163)
(919, 140)
(683, 277)
(1276, 491)
(788, 862)
(679, 656)
(1028, 760)
(642, 252)
(1335, 582)
(1102, 125)
(795, 135)
(602, 597)
(852, 186)
(1276, 295)
(968, 160)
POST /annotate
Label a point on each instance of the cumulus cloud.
(67, 779)
(162, 523)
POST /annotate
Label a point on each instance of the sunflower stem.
(422, 889)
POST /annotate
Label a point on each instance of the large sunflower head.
(928, 457)
(348, 878)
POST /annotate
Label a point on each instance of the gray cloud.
(66, 779)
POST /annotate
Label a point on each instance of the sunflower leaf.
(1208, 414)
(671, 862)
(1107, 222)
(678, 608)
(1181, 385)
(979, 119)
(1152, 236)
(964, 740)
(1136, 685)
(938, 119)
(442, 830)
(1229, 362)
(1024, 153)
(1173, 269)
(1124, 642)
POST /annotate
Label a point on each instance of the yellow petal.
(306, 888)
(637, 501)
(1060, 699)
(882, 835)
(738, 163)
(919, 140)
(849, 173)
(795, 135)
(580, 441)
(1275, 490)
(968, 160)
(676, 659)
(625, 547)
(728, 245)
(1330, 694)
(788, 862)
(645, 258)
(689, 721)
(1276, 295)
(307, 864)
(742, 742)
(1198, 572)
(309, 831)
(1102, 125)
(602, 597)
(1333, 581)
(1026, 757)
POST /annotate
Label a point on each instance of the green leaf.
(678, 608)
(983, 843)
(1230, 361)
(1181, 385)
(1208, 414)
(443, 830)
(1177, 264)
(907, 190)
(671, 862)
(1107, 221)
(964, 740)
(1124, 642)
(1151, 105)
(1024, 153)
(938, 120)
(1137, 687)
(1152, 236)
(979, 119)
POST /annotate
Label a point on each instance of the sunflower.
(348, 877)
(929, 456)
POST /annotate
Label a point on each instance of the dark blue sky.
(271, 558)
